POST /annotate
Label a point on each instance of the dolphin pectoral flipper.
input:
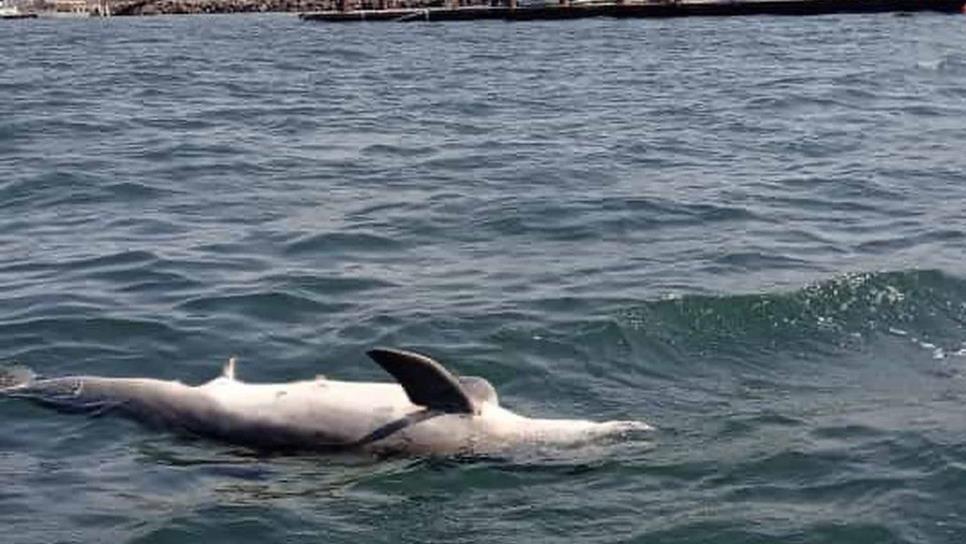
(229, 369)
(426, 382)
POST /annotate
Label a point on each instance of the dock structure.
(509, 10)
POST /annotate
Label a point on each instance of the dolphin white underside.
(319, 414)
(323, 414)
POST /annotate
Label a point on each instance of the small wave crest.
(928, 306)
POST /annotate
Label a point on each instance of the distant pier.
(508, 10)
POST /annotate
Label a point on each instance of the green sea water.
(748, 232)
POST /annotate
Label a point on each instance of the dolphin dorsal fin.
(229, 370)
(426, 382)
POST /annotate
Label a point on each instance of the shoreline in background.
(462, 10)
(72, 9)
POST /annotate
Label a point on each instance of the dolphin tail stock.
(68, 394)
(15, 376)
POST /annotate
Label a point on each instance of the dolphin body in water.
(428, 410)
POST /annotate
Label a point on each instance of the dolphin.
(429, 410)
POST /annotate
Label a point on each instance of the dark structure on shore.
(458, 10)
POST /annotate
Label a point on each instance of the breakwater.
(657, 9)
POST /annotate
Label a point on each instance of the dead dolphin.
(428, 411)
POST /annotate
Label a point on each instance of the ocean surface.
(749, 232)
